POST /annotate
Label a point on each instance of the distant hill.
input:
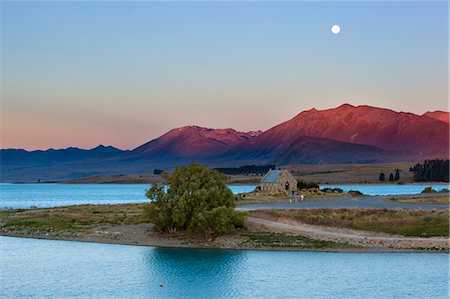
(346, 134)
(313, 150)
(193, 142)
(385, 129)
(439, 115)
(54, 156)
(18, 165)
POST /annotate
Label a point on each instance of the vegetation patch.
(436, 199)
(197, 200)
(431, 190)
(355, 193)
(71, 218)
(416, 223)
(277, 240)
(436, 170)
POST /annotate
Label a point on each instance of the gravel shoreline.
(143, 235)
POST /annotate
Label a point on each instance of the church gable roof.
(272, 176)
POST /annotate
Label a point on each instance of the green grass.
(417, 223)
(277, 240)
(73, 218)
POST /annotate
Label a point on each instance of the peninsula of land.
(322, 229)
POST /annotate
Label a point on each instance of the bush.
(222, 220)
(303, 185)
(355, 193)
(197, 199)
(332, 190)
(428, 190)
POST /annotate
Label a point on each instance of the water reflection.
(60, 269)
(191, 270)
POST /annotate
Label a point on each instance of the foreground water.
(50, 195)
(42, 268)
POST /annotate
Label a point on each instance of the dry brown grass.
(351, 173)
(437, 199)
(403, 222)
(315, 193)
(73, 217)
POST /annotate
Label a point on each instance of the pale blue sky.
(122, 73)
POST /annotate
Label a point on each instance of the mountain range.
(346, 134)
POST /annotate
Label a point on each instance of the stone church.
(280, 180)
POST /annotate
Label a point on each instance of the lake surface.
(50, 195)
(43, 268)
(391, 189)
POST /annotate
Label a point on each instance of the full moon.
(335, 29)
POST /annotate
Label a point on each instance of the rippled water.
(50, 195)
(42, 268)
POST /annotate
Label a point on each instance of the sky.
(122, 73)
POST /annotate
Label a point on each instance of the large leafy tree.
(196, 199)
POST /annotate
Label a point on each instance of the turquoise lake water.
(61, 269)
(393, 189)
(50, 195)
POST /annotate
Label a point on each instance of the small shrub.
(303, 185)
(332, 190)
(355, 193)
(428, 190)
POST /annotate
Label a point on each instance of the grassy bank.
(73, 218)
(416, 223)
(278, 240)
(309, 194)
(434, 199)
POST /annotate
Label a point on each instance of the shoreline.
(263, 230)
(244, 239)
(285, 249)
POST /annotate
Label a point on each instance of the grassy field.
(323, 174)
(258, 196)
(403, 222)
(73, 218)
(351, 173)
(435, 199)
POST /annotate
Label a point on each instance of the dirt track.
(353, 237)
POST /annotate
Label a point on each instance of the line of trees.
(431, 170)
(246, 169)
(392, 176)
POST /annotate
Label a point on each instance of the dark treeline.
(246, 169)
(431, 170)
